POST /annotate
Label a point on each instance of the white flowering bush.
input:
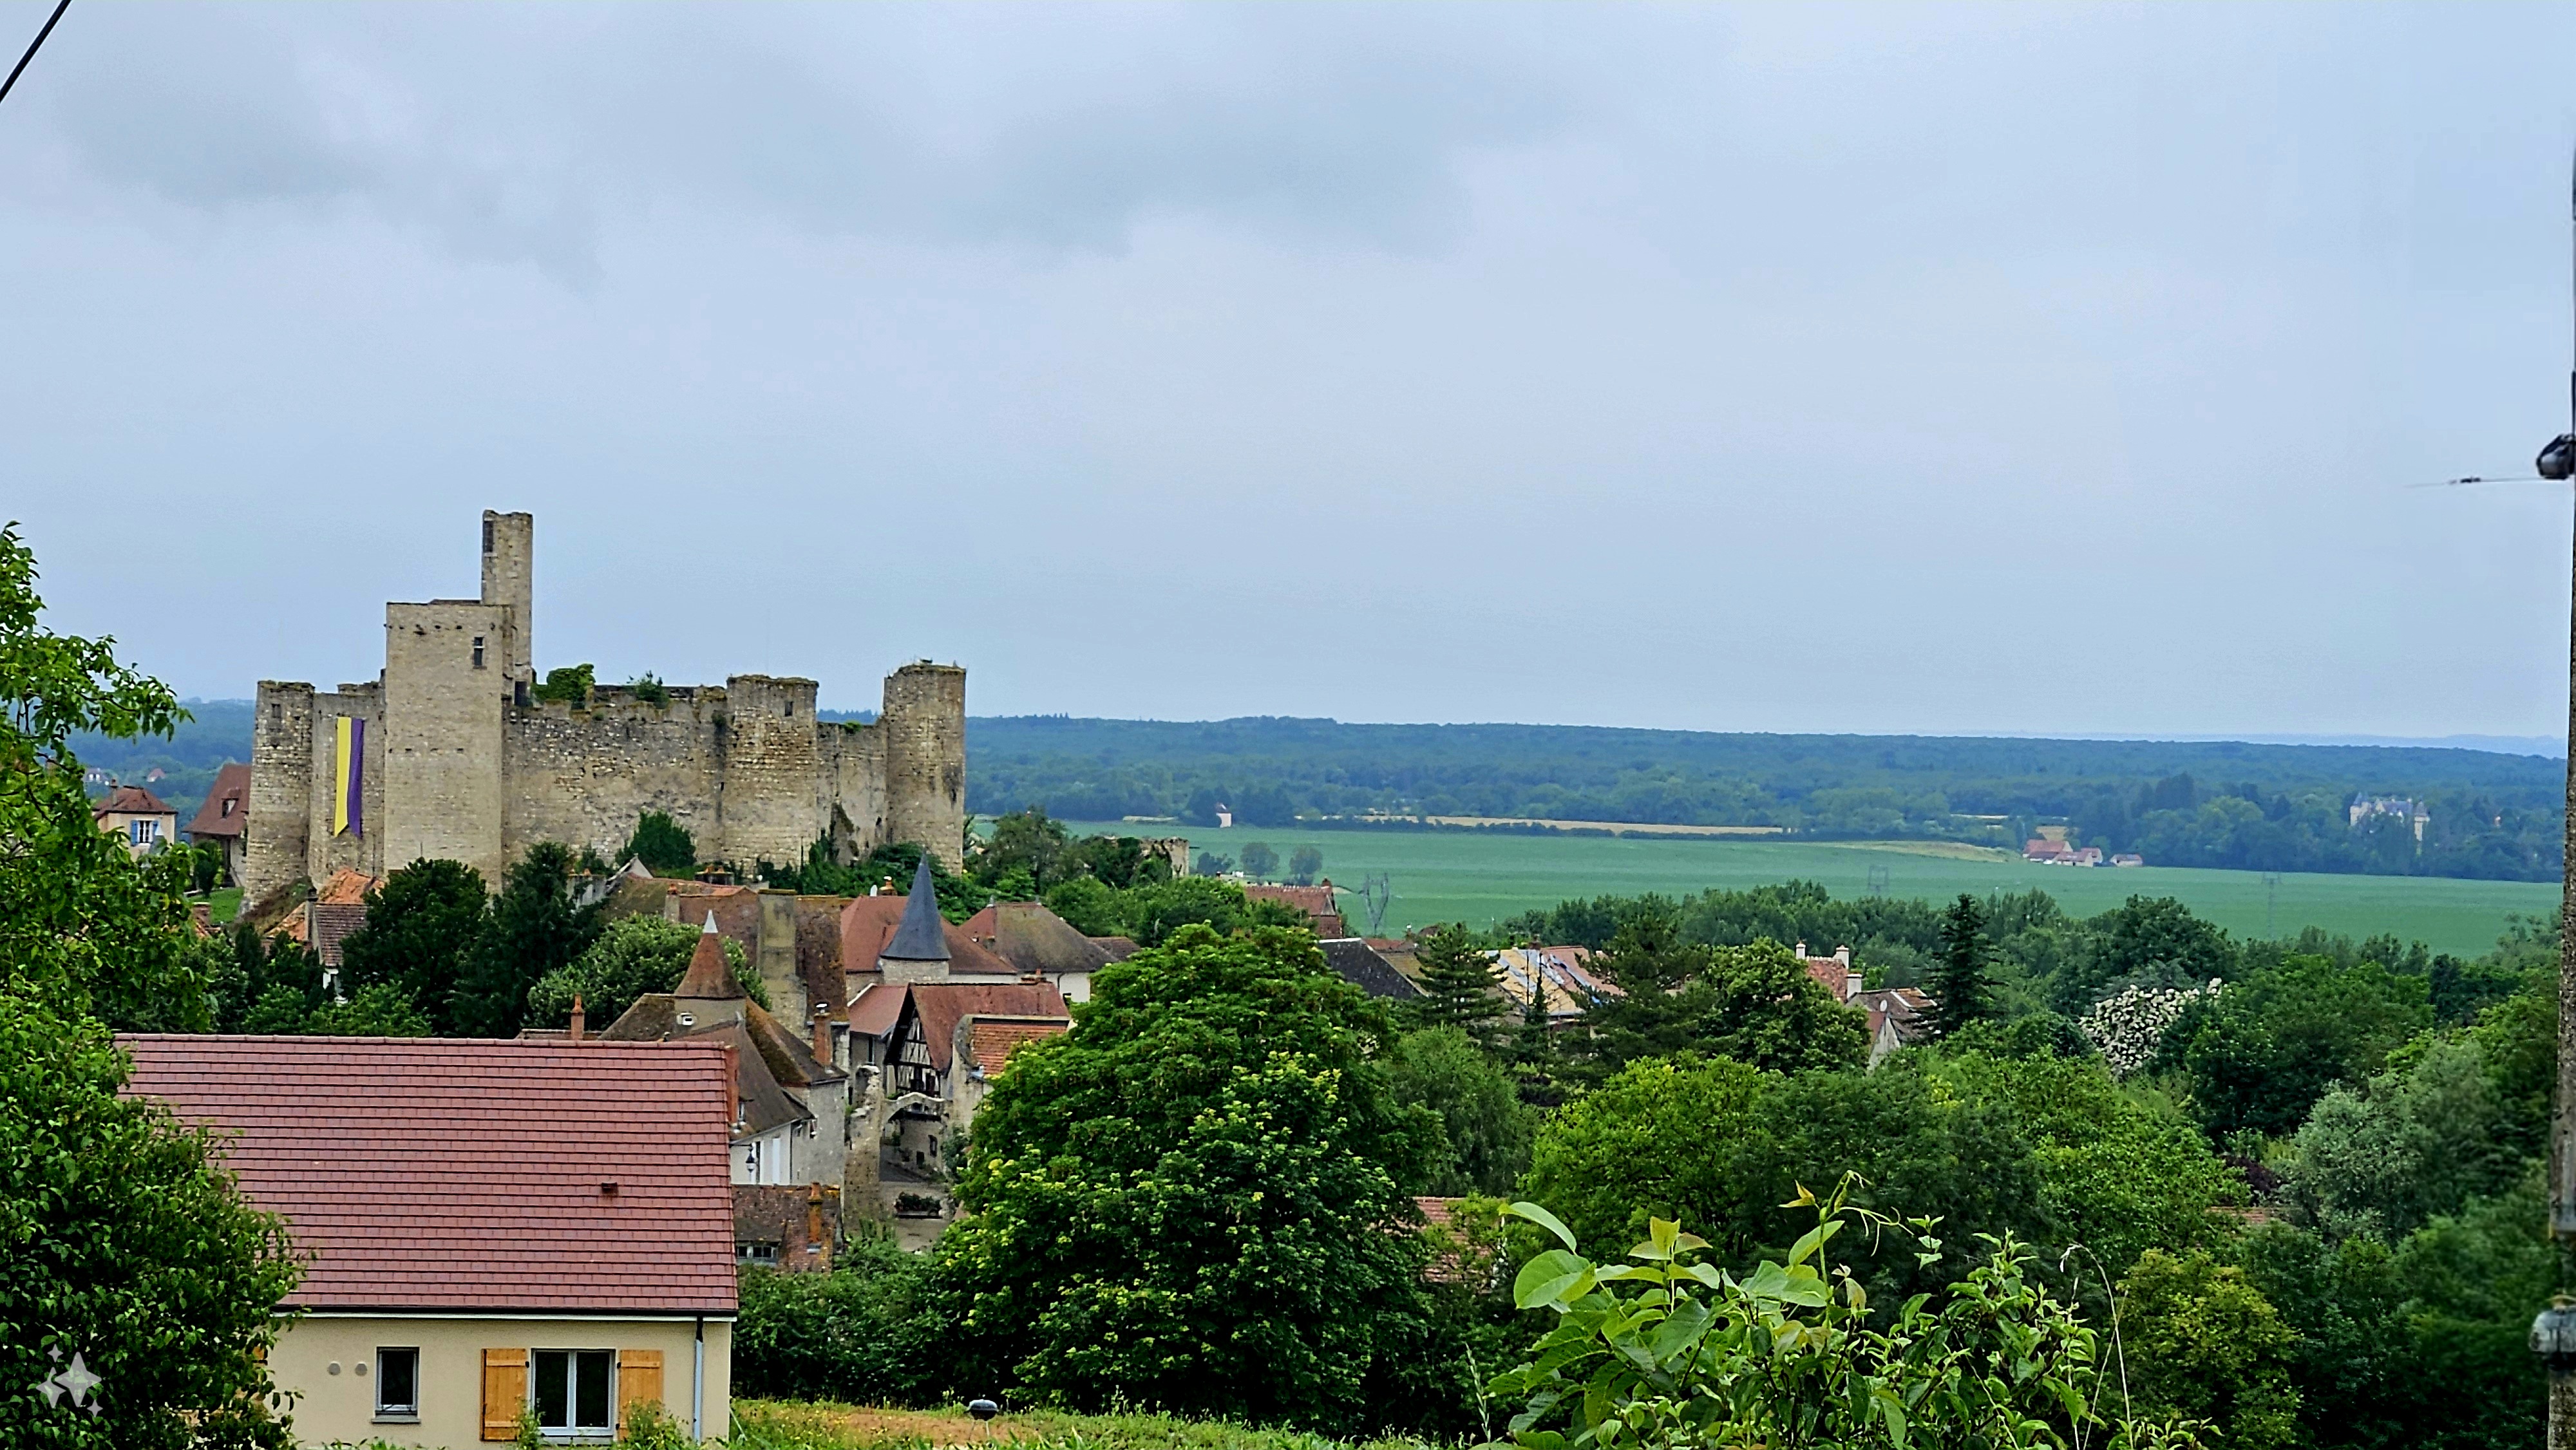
(2126, 1027)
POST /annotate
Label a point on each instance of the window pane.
(554, 1400)
(397, 1378)
(590, 1400)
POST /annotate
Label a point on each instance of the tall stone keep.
(458, 759)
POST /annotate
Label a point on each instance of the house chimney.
(823, 1033)
(1801, 950)
(733, 1091)
(574, 1034)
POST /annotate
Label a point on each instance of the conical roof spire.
(921, 936)
(710, 977)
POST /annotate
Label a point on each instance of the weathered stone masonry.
(461, 763)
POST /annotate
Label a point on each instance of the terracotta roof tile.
(991, 1040)
(465, 1175)
(869, 922)
(347, 887)
(943, 1004)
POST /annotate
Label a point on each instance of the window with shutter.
(639, 1381)
(505, 1392)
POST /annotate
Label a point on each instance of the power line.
(32, 47)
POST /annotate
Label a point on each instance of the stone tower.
(460, 761)
(924, 721)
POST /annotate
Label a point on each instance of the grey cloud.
(1348, 125)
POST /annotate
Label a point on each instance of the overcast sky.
(2028, 369)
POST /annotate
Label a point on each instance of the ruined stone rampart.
(461, 762)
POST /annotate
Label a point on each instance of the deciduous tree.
(1197, 1200)
(422, 924)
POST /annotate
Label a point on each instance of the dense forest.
(2223, 804)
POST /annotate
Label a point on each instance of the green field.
(1481, 878)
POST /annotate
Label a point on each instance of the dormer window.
(229, 803)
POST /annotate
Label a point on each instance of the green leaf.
(1688, 1321)
(1543, 1219)
(1814, 1239)
(1552, 1278)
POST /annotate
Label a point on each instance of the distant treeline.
(2224, 804)
(2221, 804)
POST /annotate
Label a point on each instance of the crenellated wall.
(463, 764)
(582, 776)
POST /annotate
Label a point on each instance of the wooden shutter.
(639, 1381)
(505, 1392)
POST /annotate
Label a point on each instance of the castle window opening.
(478, 651)
(487, 536)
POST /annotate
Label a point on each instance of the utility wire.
(32, 47)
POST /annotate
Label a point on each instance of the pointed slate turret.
(922, 936)
(710, 977)
(918, 949)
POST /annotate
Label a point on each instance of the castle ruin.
(456, 758)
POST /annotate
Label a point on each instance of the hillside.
(2225, 804)
(2220, 804)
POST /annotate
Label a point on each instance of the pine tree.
(1460, 987)
(1960, 991)
(1533, 1051)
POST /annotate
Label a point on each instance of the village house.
(791, 1123)
(928, 988)
(142, 820)
(1896, 1015)
(1358, 963)
(489, 1228)
(1323, 911)
(220, 820)
(1560, 975)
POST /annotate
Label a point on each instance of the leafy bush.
(633, 956)
(859, 1333)
(567, 684)
(1662, 1352)
(663, 845)
(2129, 1026)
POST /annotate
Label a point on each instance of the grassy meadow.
(784, 1425)
(1480, 878)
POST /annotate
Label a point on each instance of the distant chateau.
(448, 754)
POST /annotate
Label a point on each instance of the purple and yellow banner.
(348, 758)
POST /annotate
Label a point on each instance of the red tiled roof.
(232, 786)
(943, 1004)
(991, 1040)
(466, 1175)
(875, 1010)
(347, 887)
(130, 800)
(868, 923)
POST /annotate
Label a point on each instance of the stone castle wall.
(462, 764)
(583, 777)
